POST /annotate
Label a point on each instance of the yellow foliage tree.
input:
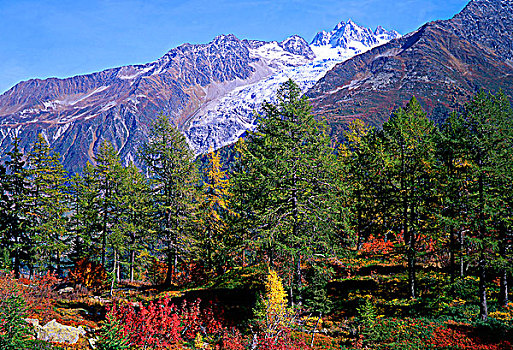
(215, 204)
(272, 308)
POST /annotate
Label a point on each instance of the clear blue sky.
(61, 38)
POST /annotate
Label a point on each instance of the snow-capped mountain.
(222, 121)
(209, 91)
(443, 64)
(349, 39)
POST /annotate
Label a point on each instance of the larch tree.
(486, 142)
(215, 207)
(287, 176)
(134, 224)
(361, 162)
(48, 202)
(169, 162)
(409, 138)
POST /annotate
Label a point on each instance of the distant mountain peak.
(209, 90)
(344, 32)
(296, 45)
(349, 38)
(443, 63)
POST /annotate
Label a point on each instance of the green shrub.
(15, 332)
(111, 336)
(315, 293)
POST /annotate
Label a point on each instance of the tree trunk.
(132, 259)
(209, 249)
(299, 281)
(58, 262)
(504, 295)
(462, 260)
(483, 305)
(452, 252)
(104, 242)
(170, 264)
(295, 236)
(359, 223)
(16, 264)
(114, 267)
(118, 267)
(411, 268)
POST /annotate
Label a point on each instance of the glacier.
(223, 120)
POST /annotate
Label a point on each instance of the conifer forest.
(397, 237)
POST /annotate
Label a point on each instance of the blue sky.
(40, 39)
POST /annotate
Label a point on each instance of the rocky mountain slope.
(443, 64)
(209, 91)
(221, 121)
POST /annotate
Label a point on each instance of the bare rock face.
(77, 114)
(487, 23)
(210, 92)
(443, 63)
(297, 46)
(55, 332)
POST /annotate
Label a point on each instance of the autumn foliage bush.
(162, 325)
(89, 274)
(412, 334)
(21, 299)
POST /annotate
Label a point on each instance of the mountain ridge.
(187, 83)
(443, 63)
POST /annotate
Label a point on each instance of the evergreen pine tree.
(48, 203)
(287, 177)
(169, 162)
(15, 186)
(409, 138)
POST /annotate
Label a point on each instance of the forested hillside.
(398, 238)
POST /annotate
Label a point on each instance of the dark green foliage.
(15, 332)
(47, 205)
(285, 182)
(417, 215)
(169, 162)
(15, 188)
(476, 150)
(315, 292)
(111, 336)
(112, 212)
(409, 138)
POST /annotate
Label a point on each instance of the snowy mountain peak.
(348, 39)
(380, 30)
(297, 46)
(386, 35)
(209, 90)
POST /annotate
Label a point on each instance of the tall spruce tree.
(15, 187)
(169, 162)
(47, 204)
(410, 143)
(288, 179)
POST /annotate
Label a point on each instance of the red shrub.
(155, 326)
(160, 324)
